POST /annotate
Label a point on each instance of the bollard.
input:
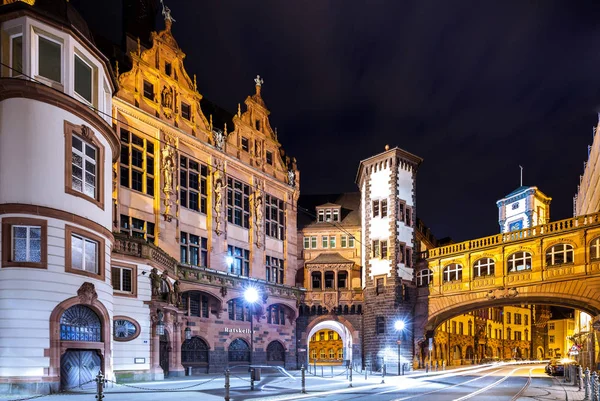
(303, 379)
(315, 368)
(444, 365)
(350, 377)
(427, 368)
(100, 386)
(331, 370)
(366, 373)
(322, 371)
(383, 374)
(579, 377)
(586, 383)
(226, 384)
(251, 378)
(594, 380)
(566, 373)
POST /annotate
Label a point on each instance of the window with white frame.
(193, 189)
(193, 249)
(83, 79)
(484, 267)
(595, 248)
(240, 261)
(137, 162)
(559, 254)
(49, 58)
(26, 243)
(332, 239)
(122, 279)
(313, 354)
(84, 168)
(148, 90)
(306, 242)
(84, 254)
(424, 277)
(336, 214)
(379, 249)
(274, 217)
(322, 354)
(344, 241)
(331, 353)
(321, 215)
(238, 203)
(310, 242)
(137, 228)
(274, 270)
(324, 241)
(519, 261)
(452, 272)
(340, 354)
(351, 241)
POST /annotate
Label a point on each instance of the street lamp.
(399, 326)
(251, 296)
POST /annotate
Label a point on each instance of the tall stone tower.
(387, 183)
(523, 208)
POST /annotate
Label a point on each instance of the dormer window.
(185, 111)
(321, 215)
(269, 158)
(257, 125)
(328, 215)
(148, 90)
(336, 215)
(168, 69)
(245, 144)
(49, 59)
(83, 79)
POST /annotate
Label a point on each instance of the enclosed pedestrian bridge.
(554, 264)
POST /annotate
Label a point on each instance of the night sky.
(475, 88)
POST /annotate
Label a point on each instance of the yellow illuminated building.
(326, 347)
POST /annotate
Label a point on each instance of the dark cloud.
(474, 87)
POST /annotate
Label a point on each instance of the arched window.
(519, 261)
(331, 353)
(322, 355)
(595, 248)
(195, 303)
(275, 352)
(559, 254)
(194, 352)
(452, 272)
(80, 323)
(483, 267)
(340, 354)
(276, 314)
(424, 277)
(239, 351)
(238, 310)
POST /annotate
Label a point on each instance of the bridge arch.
(342, 326)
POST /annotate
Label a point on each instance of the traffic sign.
(399, 342)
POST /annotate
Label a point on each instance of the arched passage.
(344, 330)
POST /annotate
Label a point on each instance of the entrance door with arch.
(164, 351)
(194, 354)
(80, 334)
(275, 354)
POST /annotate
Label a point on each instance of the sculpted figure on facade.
(219, 138)
(258, 216)
(166, 12)
(166, 97)
(176, 296)
(219, 189)
(168, 168)
(291, 178)
(155, 282)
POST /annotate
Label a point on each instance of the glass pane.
(19, 249)
(76, 252)
(90, 151)
(17, 55)
(83, 79)
(126, 280)
(35, 250)
(49, 59)
(90, 256)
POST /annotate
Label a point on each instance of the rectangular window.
(49, 59)
(401, 211)
(193, 187)
(518, 335)
(193, 249)
(517, 318)
(526, 320)
(375, 249)
(148, 90)
(408, 219)
(408, 257)
(240, 263)
(185, 111)
(336, 215)
(508, 318)
(344, 241)
(313, 242)
(376, 208)
(351, 242)
(83, 79)
(321, 214)
(269, 158)
(306, 242)
(245, 144)
(327, 214)
(551, 339)
(274, 268)
(137, 228)
(380, 289)
(84, 167)
(84, 254)
(137, 162)
(550, 326)
(332, 241)
(324, 241)
(238, 203)
(384, 249)
(274, 217)
(380, 322)
(168, 69)
(123, 279)
(383, 207)
(16, 55)
(24, 242)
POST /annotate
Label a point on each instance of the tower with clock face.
(523, 208)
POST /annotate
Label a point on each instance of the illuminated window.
(274, 270)
(137, 162)
(238, 203)
(137, 228)
(595, 249)
(148, 90)
(193, 249)
(332, 241)
(519, 261)
(241, 261)
(185, 111)
(193, 188)
(559, 254)
(424, 277)
(83, 79)
(452, 272)
(274, 217)
(484, 267)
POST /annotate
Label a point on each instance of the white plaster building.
(524, 207)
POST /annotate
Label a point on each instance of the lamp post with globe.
(251, 297)
(399, 326)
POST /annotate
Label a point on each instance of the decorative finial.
(117, 68)
(521, 167)
(195, 84)
(211, 125)
(239, 111)
(275, 132)
(139, 49)
(225, 130)
(258, 80)
(387, 147)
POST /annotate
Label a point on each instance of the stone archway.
(86, 296)
(345, 329)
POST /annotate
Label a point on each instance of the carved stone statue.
(155, 282)
(166, 12)
(176, 298)
(219, 138)
(258, 213)
(167, 97)
(291, 178)
(168, 164)
(166, 296)
(219, 189)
